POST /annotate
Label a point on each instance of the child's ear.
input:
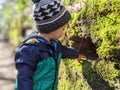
(52, 33)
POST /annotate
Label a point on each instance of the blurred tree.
(16, 19)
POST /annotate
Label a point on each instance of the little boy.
(39, 55)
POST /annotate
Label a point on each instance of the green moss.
(74, 63)
(101, 19)
(107, 70)
(69, 80)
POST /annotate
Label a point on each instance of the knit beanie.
(49, 15)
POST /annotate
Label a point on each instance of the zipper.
(55, 56)
(54, 53)
(56, 68)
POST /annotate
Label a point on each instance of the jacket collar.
(43, 43)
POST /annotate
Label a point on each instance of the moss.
(107, 70)
(70, 80)
(101, 21)
(74, 63)
(106, 28)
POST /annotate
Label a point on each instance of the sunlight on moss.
(107, 70)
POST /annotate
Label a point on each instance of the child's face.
(58, 33)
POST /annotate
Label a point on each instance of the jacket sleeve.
(26, 59)
(68, 52)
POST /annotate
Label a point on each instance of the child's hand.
(80, 57)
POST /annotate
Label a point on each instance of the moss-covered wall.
(99, 19)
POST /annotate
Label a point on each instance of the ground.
(7, 66)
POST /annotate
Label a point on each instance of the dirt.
(7, 66)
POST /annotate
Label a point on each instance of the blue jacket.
(38, 63)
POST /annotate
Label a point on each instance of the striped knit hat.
(49, 15)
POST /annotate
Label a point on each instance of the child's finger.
(80, 57)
